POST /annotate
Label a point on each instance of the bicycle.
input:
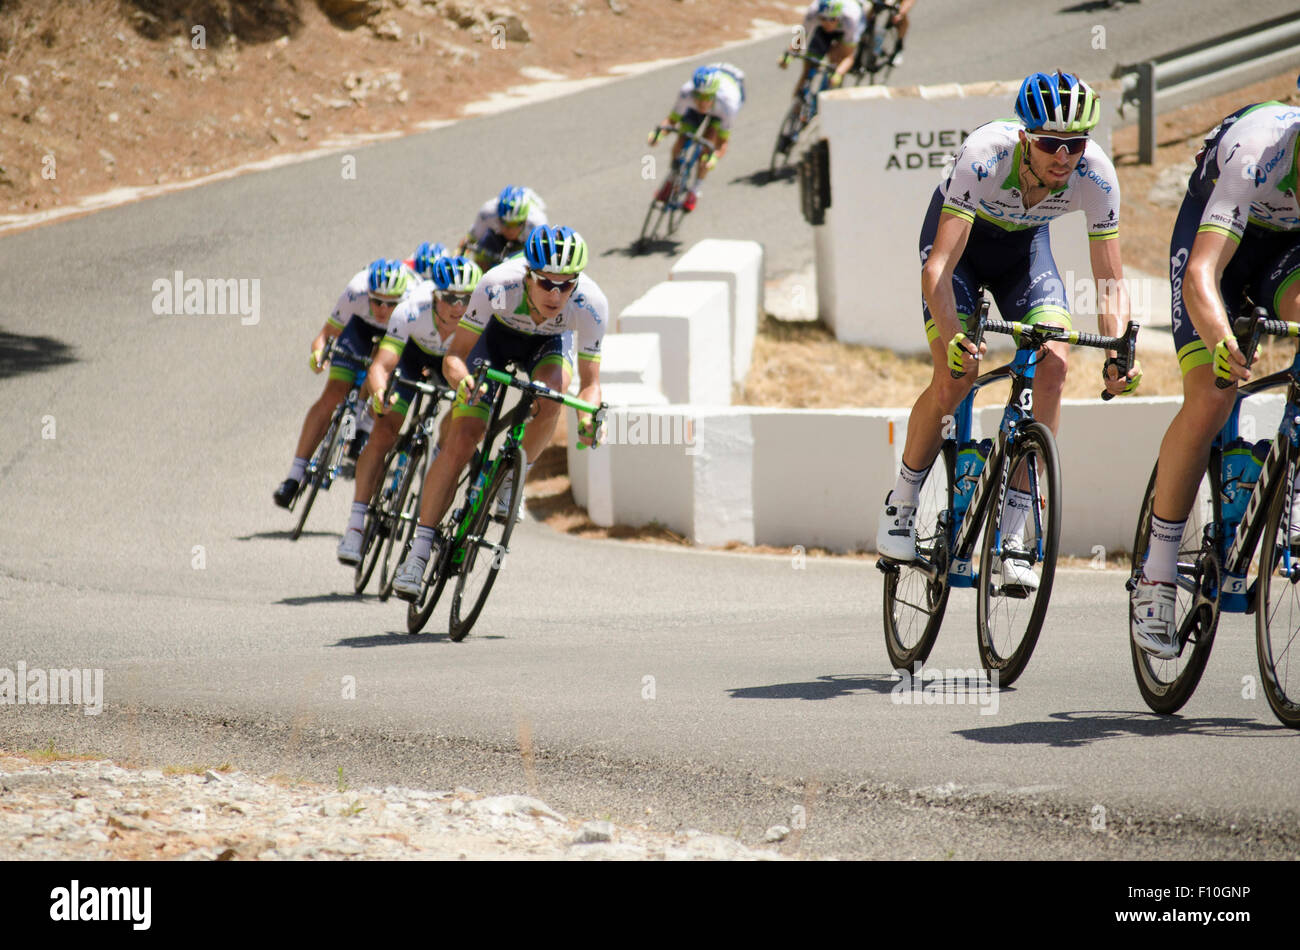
(878, 44)
(475, 528)
(327, 461)
(685, 176)
(1243, 502)
(802, 111)
(394, 509)
(492, 250)
(966, 492)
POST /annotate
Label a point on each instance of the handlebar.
(692, 135)
(820, 63)
(1249, 329)
(487, 373)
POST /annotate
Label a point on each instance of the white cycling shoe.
(896, 531)
(349, 551)
(1153, 605)
(409, 578)
(1017, 572)
(502, 508)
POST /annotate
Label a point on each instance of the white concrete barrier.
(739, 264)
(695, 350)
(589, 472)
(631, 358)
(888, 151)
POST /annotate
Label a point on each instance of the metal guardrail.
(1182, 71)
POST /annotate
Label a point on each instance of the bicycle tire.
(471, 569)
(1004, 649)
(381, 517)
(649, 233)
(791, 126)
(318, 466)
(419, 611)
(907, 647)
(1166, 685)
(403, 519)
(1279, 670)
(686, 182)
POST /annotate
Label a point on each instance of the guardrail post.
(1146, 96)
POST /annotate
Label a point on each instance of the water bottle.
(970, 465)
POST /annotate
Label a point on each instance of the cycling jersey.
(985, 183)
(499, 297)
(1243, 186)
(354, 302)
(414, 320)
(848, 28)
(488, 222)
(726, 105)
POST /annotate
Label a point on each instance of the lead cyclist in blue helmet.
(987, 227)
(831, 30)
(359, 319)
(711, 99)
(1237, 234)
(544, 314)
(414, 344)
(502, 225)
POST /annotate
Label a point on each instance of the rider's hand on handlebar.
(962, 356)
(653, 137)
(1117, 385)
(316, 361)
(1229, 362)
(590, 435)
(464, 394)
(784, 60)
(377, 404)
(837, 80)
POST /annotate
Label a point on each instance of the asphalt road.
(139, 452)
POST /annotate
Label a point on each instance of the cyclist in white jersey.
(417, 338)
(542, 313)
(711, 98)
(1237, 235)
(503, 223)
(987, 227)
(831, 30)
(359, 319)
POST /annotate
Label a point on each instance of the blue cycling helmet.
(1057, 102)
(556, 250)
(706, 81)
(513, 204)
(425, 256)
(388, 278)
(827, 9)
(459, 275)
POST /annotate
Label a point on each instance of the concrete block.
(739, 264)
(691, 320)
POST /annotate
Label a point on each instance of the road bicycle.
(802, 111)
(1246, 500)
(874, 57)
(475, 536)
(394, 508)
(326, 462)
(664, 216)
(967, 491)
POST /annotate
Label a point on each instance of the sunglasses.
(1051, 145)
(384, 302)
(547, 284)
(446, 296)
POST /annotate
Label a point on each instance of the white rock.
(595, 832)
(776, 833)
(515, 805)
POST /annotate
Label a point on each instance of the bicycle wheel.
(1277, 608)
(381, 515)
(419, 611)
(486, 546)
(686, 182)
(404, 516)
(791, 126)
(1167, 684)
(914, 604)
(1010, 616)
(316, 469)
(654, 219)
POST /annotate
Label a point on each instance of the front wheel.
(404, 517)
(317, 469)
(486, 545)
(1018, 554)
(1277, 608)
(914, 603)
(791, 126)
(1167, 684)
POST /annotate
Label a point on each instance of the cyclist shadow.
(829, 686)
(765, 176)
(1074, 729)
(639, 248)
(401, 638)
(284, 535)
(330, 598)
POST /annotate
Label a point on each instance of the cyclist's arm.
(1112, 297)
(936, 274)
(1211, 252)
(454, 367)
(328, 332)
(589, 391)
(382, 366)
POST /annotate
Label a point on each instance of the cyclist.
(418, 335)
(359, 319)
(832, 29)
(503, 223)
(425, 256)
(987, 226)
(1237, 233)
(899, 19)
(713, 96)
(527, 311)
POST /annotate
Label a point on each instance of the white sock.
(365, 420)
(423, 543)
(1162, 552)
(908, 488)
(298, 469)
(358, 519)
(1014, 514)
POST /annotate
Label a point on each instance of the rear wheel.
(405, 515)
(1010, 615)
(486, 545)
(654, 220)
(317, 468)
(437, 571)
(1277, 609)
(791, 126)
(1167, 684)
(914, 604)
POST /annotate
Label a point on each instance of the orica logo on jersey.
(496, 296)
(1086, 172)
(1259, 171)
(985, 168)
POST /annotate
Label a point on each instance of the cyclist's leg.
(357, 337)
(552, 365)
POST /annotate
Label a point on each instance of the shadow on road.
(665, 246)
(764, 177)
(22, 353)
(824, 687)
(1094, 6)
(1073, 729)
(284, 535)
(332, 597)
(400, 638)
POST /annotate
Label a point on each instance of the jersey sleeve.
(353, 302)
(482, 222)
(1228, 207)
(854, 23)
(1099, 194)
(399, 326)
(480, 309)
(594, 310)
(682, 104)
(961, 194)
